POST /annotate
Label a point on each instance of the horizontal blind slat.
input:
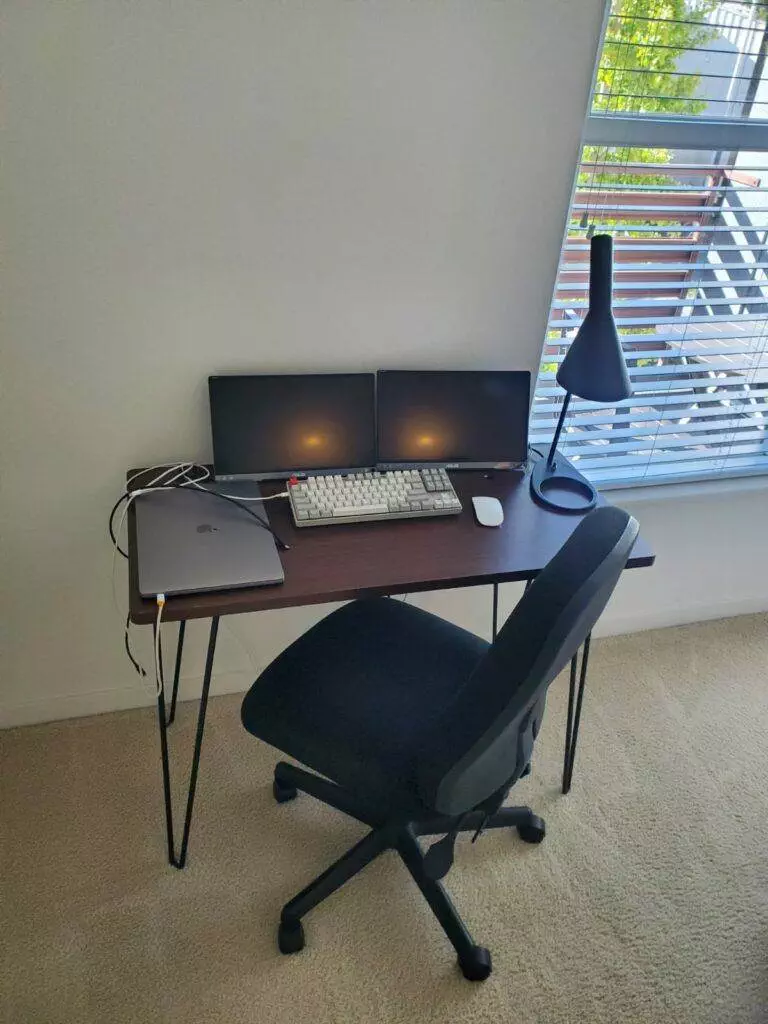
(603, 187)
(696, 428)
(698, 374)
(665, 301)
(623, 269)
(674, 288)
(601, 207)
(621, 245)
(691, 350)
(676, 385)
(755, 450)
(543, 422)
(565, 323)
(675, 397)
(678, 229)
(586, 447)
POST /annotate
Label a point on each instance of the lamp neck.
(601, 273)
(556, 438)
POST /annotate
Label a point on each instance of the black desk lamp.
(594, 369)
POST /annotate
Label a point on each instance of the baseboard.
(663, 618)
(99, 702)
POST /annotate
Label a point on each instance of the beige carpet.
(647, 902)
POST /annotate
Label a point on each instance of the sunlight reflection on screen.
(425, 438)
(318, 441)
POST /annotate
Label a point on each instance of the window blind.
(690, 229)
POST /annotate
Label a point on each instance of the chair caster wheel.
(476, 965)
(283, 793)
(290, 937)
(532, 831)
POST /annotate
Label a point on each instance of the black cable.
(199, 490)
(112, 536)
(233, 501)
(530, 462)
(128, 651)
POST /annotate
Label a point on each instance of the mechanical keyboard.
(365, 497)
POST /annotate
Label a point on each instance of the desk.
(340, 563)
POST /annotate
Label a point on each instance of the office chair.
(420, 728)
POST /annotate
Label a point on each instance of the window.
(675, 167)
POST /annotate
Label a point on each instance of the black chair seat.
(352, 697)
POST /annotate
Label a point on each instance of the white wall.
(203, 187)
(711, 548)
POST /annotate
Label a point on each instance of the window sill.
(675, 490)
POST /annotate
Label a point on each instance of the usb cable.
(158, 665)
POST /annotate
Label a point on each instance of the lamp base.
(561, 487)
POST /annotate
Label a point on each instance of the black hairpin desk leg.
(177, 670)
(575, 698)
(161, 720)
(574, 711)
(180, 860)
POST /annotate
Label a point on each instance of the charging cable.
(242, 497)
(158, 663)
(181, 475)
(127, 640)
(166, 477)
(164, 474)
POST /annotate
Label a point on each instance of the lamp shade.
(594, 366)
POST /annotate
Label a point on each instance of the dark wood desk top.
(339, 563)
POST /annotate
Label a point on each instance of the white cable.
(184, 471)
(184, 475)
(184, 468)
(129, 498)
(241, 497)
(181, 475)
(115, 600)
(164, 466)
(181, 469)
(158, 620)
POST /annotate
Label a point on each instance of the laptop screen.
(274, 425)
(473, 417)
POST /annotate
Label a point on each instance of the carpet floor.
(647, 901)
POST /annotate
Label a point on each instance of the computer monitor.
(269, 426)
(470, 419)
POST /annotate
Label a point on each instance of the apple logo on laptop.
(207, 528)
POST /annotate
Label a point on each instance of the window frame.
(658, 131)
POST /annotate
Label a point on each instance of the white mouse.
(488, 511)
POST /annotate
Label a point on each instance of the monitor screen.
(274, 425)
(472, 417)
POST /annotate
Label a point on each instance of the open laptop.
(189, 542)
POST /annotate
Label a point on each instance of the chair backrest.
(483, 740)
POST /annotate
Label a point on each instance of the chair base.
(401, 836)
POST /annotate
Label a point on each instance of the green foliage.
(637, 75)
(639, 59)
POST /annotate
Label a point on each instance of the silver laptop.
(189, 542)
